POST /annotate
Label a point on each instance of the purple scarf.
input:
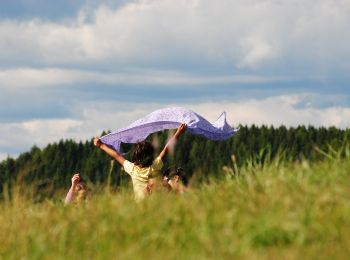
(169, 118)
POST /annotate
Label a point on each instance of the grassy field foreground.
(295, 211)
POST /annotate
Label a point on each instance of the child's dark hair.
(172, 171)
(143, 154)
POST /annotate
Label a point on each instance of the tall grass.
(264, 211)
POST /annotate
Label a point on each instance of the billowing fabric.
(169, 118)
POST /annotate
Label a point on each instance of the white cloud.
(245, 34)
(3, 156)
(280, 110)
(29, 77)
(39, 132)
(255, 51)
(158, 43)
(94, 117)
(33, 78)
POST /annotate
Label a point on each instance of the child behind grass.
(144, 167)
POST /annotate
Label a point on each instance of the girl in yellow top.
(144, 167)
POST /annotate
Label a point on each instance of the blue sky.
(72, 68)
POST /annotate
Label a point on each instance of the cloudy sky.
(72, 68)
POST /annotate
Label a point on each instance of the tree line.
(200, 158)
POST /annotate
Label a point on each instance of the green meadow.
(276, 210)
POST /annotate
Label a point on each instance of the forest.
(51, 167)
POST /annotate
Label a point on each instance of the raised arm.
(70, 194)
(172, 141)
(113, 153)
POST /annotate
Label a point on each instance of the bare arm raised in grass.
(171, 143)
(77, 191)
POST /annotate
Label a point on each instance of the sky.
(73, 68)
